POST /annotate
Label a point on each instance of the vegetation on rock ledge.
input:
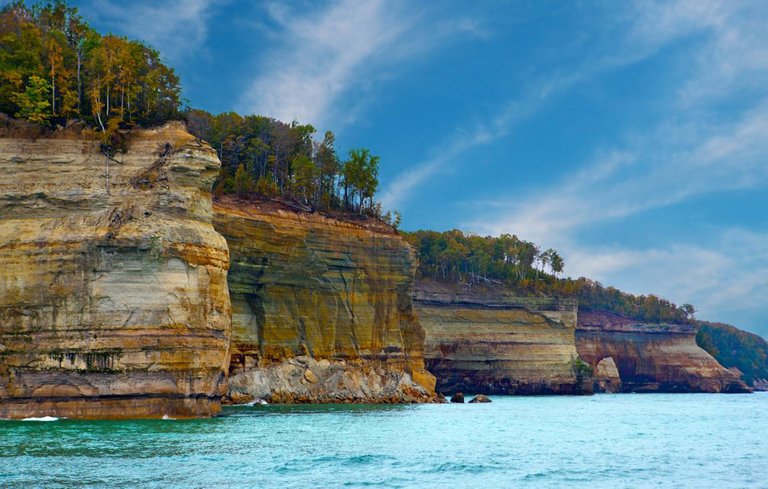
(264, 157)
(526, 269)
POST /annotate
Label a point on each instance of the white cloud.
(406, 182)
(724, 276)
(733, 54)
(657, 171)
(176, 28)
(343, 47)
(694, 150)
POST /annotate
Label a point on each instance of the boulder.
(458, 398)
(480, 398)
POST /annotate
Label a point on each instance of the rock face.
(322, 308)
(649, 357)
(486, 340)
(113, 293)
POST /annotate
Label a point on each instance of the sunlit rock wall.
(113, 292)
(322, 308)
(650, 357)
(485, 340)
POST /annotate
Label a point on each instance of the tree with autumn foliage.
(87, 76)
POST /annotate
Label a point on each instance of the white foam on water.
(165, 416)
(260, 402)
(43, 418)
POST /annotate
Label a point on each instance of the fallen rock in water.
(458, 398)
(480, 398)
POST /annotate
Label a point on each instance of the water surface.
(652, 440)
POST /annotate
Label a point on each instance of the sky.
(630, 136)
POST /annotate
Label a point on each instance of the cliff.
(322, 308)
(650, 357)
(113, 294)
(486, 340)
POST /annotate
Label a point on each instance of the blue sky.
(631, 136)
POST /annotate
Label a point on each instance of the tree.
(328, 164)
(361, 172)
(33, 102)
(284, 160)
(557, 263)
(689, 310)
(304, 172)
(243, 182)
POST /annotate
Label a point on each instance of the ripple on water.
(604, 441)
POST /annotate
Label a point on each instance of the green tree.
(243, 182)
(361, 172)
(305, 174)
(33, 103)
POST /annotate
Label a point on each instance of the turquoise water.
(652, 440)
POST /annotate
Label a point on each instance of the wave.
(259, 402)
(42, 418)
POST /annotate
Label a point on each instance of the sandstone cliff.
(113, 293)
(485, 340)
(322, 308)
(633, 357)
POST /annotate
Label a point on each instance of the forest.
(522, 266)
(733, 347)
(264, 157)
(55, 68)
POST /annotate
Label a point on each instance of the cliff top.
(607, 321)
(75, 129)
(487, 296)
(276, 207)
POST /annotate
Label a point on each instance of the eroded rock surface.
(322, 308)
(651, 357)
(607, 378)
(484, 339)
(113, 292)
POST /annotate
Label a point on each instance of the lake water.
(651, 440)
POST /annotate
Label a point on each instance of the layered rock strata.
(322, 308)
(113, 292)
(630, 356)
(485, 340)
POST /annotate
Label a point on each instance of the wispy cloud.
(693, 149)
(724, 277)
(674, 163)
(176, 28)
(733, 55)
(342, 47)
